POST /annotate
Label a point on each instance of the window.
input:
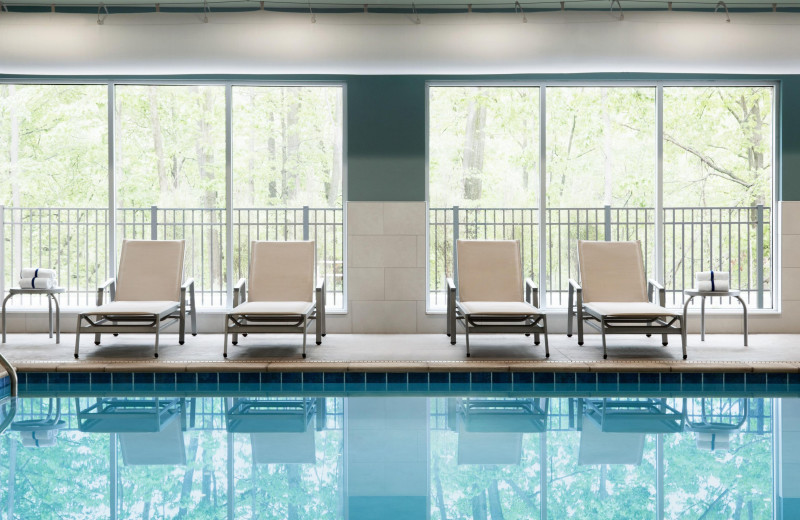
(705, 205)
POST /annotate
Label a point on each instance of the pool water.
(485, 455)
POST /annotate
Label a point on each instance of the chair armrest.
(652, 286)
(187, 284)
(111, 285)
(575, 286)
(240, 291)
(531, 292)
(320, 290)
(321, 283)
(451, 285)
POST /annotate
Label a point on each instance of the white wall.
(288, 43)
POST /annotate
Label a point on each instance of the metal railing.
(733, 239)
(74, 241)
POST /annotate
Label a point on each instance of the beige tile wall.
(386, 280)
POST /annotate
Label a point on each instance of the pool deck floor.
(404, 353)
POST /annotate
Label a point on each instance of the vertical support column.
(112, 183)
(229, 280)
(542, 281)
(760, 255)
(230, 469)
(660, 476)
(455, 239)
(2, 251)
(658, 260)
(305, 222)
(113, 475)
(153, 222)
(543, 475)
(607, 223)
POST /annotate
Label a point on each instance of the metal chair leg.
(225, 347)
(158, 333)
(318, 326)
(546, 342)
(305, 331)
(466, 333)
(603, 334)
(78, 337)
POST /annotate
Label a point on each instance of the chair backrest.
(281, 271)
(489, 271)
(150, 270)
(612, 271)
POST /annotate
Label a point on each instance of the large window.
(172, 178)
(703, 203)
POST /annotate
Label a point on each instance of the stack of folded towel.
(716, 281)
(40, 439)
(34, 278)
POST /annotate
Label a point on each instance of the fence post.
(455, 239)
(760, 256)
(305, 222)
(2, 251)
(153, 222)
(607, 222)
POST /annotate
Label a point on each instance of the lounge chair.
(279, 293)
(489, 297)
(614, 297)
(147, 295)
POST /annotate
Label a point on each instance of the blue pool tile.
(229, 381)
(144, 382)
(376, 382)
(522, 381)
(481, 381)
(250, 381)
(692, 382)
(37, 381)
(355, 382)
(271, 381)
(22, 380)
(755, 382)
(794, 382)
(417, 382)
(777, 382)
(565, 382)
(60, 379)
(670, 382)
(459, 381)
(607, 382)
(334, 381)
(734, 382)
(292, 381)
(165, 381)
(586, 381)
(629, 382)
(186, 381)
(101, 382)
(649, 382)
(312, 382)
(713, 382)
(439, 381)
(501, 381)
(544, 381)
(121, 382)
(80, 381)
(397, 382)
(207, 381)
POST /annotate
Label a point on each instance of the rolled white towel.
(723, 286)
(38, 283)
(35, 272)
(34, 439)
(705, 276)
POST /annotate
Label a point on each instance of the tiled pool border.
(774, 384)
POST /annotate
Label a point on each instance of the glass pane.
(54, 185)
(718, 188)
(600, 174)
(484, 158)
(170, 146)
(287, 155)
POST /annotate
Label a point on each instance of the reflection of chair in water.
(41, 431)
(715, 420)
(150, 430)
(490, 430)
(281, 430)
(613, 430)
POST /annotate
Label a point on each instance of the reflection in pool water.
(398, 457)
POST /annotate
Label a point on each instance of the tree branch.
(708, 161)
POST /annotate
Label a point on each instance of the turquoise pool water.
(207, 448)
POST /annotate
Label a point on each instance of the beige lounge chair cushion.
(273, 308)
(612, 271)
(281, 271)
(150, 270)
(629, 309)
(489, 271)
(498, 308)
(122, 308)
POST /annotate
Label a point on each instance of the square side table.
(691, 293)
(51, 299)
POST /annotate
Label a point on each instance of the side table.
(51, 299)
(691, 293)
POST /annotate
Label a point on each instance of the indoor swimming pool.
(401, 446)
